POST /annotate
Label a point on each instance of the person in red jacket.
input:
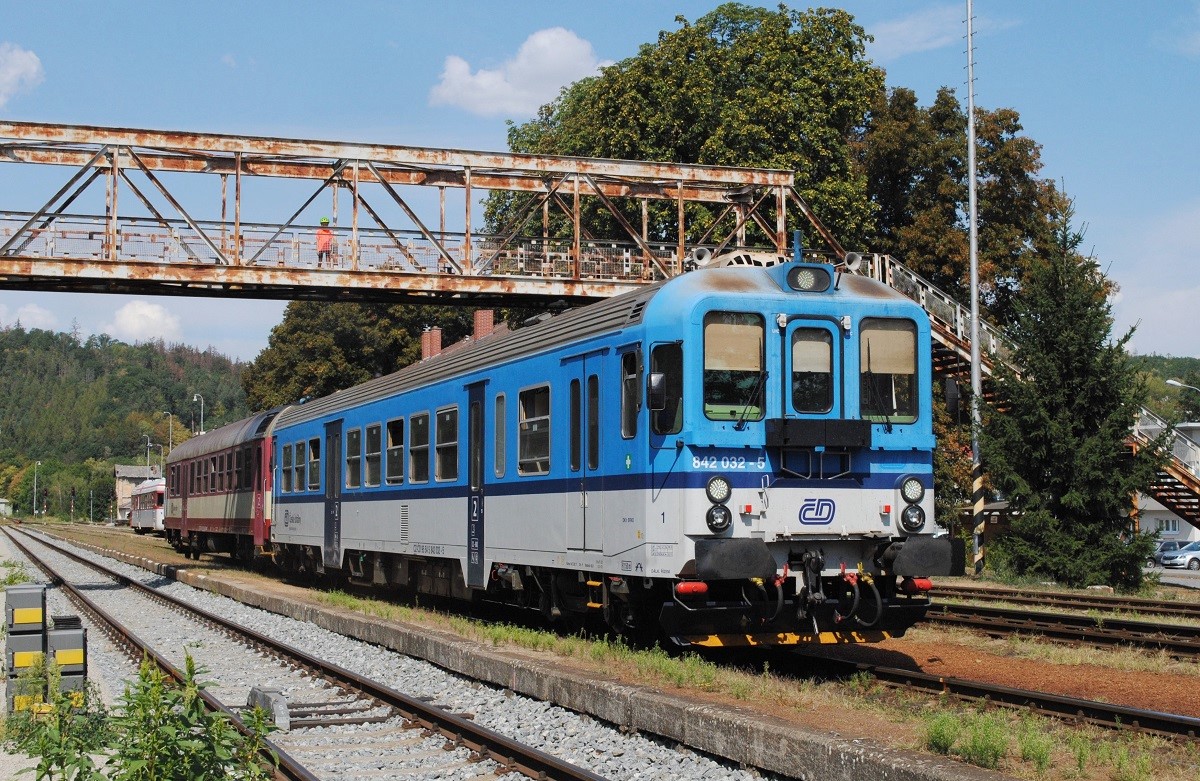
(324, 243)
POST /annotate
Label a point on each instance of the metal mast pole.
(977, 495)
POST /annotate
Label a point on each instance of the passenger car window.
(533, 433)
(418, 448)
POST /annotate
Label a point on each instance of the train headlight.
(912, 490)
(719, 517)
(718, 490)
(913, 518)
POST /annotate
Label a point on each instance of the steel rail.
(1101, 714)
(286, 766)
(1075, 601)
(461, 731)
(1179, 641)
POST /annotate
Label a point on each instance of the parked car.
(1187, 556)
(1164, 546)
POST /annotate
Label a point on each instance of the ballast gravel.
(578, 739)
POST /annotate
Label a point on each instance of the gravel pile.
(579, 739)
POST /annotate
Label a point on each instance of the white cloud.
(31, 316)
(1187, 37)
(20, 71)
(1159, 284)
(547, 61)
(141, 321)
(927, 30)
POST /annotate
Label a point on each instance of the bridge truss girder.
(568, 185)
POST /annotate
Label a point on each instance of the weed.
(1035, 745)
(985, 743)
(941, 733)
(1130, 766)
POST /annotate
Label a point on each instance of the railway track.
(1070, 709)
(1180, 641)
(1112, 604)
(349, 712)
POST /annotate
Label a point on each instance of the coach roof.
(225, 437)
(572, 326)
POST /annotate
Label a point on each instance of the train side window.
(395, 451)
(475, 446)
(285, 483)
(533, 433)
(576, 432)
(734, 377)
(666, 361)
(446, 456)
(248, 472)
(631, 393)
(593, 421)
(210, 474)
(888, 370)
(501, 444)
(373, 446)
(812, 370)
(353, 457)
(239, 469)
(172, 475)
(300, 465)
(418, 448)
(314, 464)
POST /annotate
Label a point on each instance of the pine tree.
(1054, 438)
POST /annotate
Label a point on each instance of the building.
(5, 508)
(128, 476)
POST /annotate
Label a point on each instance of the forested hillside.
(79, 406)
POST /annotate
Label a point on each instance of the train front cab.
(791, 432)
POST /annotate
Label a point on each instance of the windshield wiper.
(758, 384)
(875, 394)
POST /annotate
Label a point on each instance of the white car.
(1187, 556)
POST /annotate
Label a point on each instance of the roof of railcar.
(572, 326)
(225, 437)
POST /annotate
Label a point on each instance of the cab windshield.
(888, 370)
(734, 380)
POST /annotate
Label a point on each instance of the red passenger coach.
(219, 490)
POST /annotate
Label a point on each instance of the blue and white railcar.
(740, 454)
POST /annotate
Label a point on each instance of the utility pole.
(90, 492)
(977, 494)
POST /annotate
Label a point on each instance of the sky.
(1108, 89)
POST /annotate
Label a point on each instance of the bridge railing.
(1185, 449)
(141, 239)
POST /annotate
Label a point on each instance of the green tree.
(740, 86)
(1054, 436)
(320, 348)
(916, 163)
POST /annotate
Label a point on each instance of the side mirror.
(953, 398)
(656, 391)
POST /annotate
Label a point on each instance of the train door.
(813, 361)
(185, 488)
(585, 530)
(476, 573)
(332, 552)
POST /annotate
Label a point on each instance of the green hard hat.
(324, 220)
